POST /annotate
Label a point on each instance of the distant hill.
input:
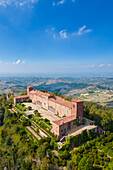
(97, 89)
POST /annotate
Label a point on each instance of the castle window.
(73, 106)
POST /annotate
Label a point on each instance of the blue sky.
(56, 36)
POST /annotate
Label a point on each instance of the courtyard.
(44, 113)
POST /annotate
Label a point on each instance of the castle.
(56, 105)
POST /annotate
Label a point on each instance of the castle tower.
(77, 109)
(29, 88)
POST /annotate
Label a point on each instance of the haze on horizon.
(56, 36)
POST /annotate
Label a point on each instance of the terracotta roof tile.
(64, 120)
(39, 93)
(56, 99)
(61, 101)
(77, 100)
(20, 97)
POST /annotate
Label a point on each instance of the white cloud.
(17, 3)
(101, 65)
(98, 66)
(54, 4)
(89, 30)
(82, 30)
(17, 62)
(57, 35)
(109, 65)
(93, 66)
(89, 66)
(52, 32)
(59, 3)
(23, 62)
(54, 36)
(63, 34)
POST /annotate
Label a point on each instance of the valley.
(99, 90)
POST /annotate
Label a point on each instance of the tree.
(28, 100)
(8, 141)
(2, 111)
(7, 115)
(71, 166)
(64, 155)
(37, 113)
(76, 159)
(30, 116)
(45, 164)
(17, 129)
(24, 93)
(85, 164)
(29, 108)
(44, 91)
(10, 100)
(26, 165)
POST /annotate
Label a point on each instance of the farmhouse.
(56, 105)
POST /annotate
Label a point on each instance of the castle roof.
(21, 97)
(61, 101)
(77, 100)
(64, 120)
(39, 93)
(56, 99)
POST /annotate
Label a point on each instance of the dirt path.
(105, 153)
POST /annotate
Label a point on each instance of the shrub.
(84, 121)
(26, 123)
(8, 141)
(64, 155)
(30, 116)
(17, 129)
(29, 108)
(23, 105)
(76, 122)
(22, 132)
(37, 113)
(46, 120)
(20, 107)
(37, 130)
(28, 100)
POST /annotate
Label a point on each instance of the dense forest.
(19, 149)
(101, 115)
